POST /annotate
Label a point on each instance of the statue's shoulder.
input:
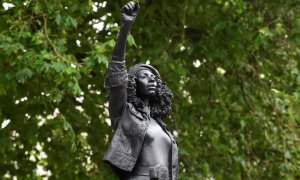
(131, 109)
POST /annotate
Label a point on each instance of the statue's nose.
(151, 79)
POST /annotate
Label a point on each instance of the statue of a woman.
(141, 147)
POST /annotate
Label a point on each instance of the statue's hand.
(129, 12)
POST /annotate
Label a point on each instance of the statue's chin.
(148, 95)
(151, 93)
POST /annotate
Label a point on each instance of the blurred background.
(233, 66)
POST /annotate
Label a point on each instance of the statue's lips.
(151, 87)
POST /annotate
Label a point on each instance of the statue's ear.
(135, 80)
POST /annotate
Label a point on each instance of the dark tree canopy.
(232, 65)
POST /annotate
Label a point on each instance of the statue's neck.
(146, 107)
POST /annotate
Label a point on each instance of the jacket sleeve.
(116, 80)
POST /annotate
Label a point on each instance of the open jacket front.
(130, 124)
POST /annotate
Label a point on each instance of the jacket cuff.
(116, 65)
(117, 75)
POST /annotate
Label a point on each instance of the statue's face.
(146, 84)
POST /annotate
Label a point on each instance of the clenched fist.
(129, 12)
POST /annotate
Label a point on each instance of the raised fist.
(129, 12)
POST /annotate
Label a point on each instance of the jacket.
(130, 124)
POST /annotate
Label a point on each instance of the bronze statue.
(141, 147)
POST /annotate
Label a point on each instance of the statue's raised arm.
(117, 76)
(128, 13)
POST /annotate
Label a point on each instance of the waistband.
(161, 172)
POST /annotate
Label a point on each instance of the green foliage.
(233, 67)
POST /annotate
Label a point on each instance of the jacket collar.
(160, 122)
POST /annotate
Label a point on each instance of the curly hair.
(160, 105)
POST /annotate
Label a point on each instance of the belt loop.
(153, 173)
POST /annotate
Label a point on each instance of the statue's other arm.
(117, 77)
